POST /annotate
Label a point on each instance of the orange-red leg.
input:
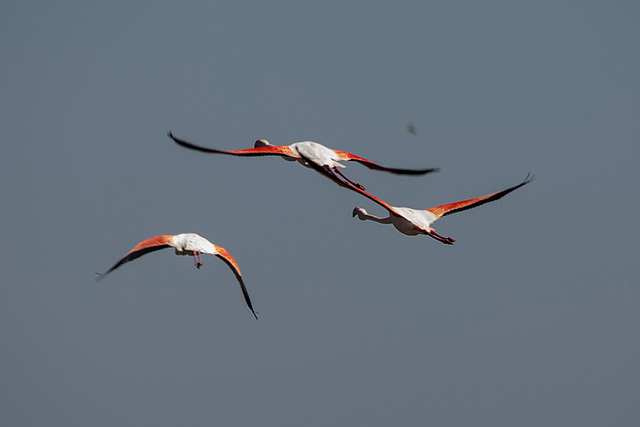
(197, 258)
(445, 240)
(339, 172)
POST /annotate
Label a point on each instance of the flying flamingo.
(413, 222)
(309, 154)
(190, 244)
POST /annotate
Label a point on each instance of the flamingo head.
(261, 143)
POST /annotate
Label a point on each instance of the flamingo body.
(317, 153)
(186, 244)
(414, 222)
(411, 221)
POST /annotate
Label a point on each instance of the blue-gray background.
(531, 318)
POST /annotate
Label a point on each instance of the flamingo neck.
(363, 216)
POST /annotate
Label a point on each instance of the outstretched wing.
(228, 259)
(270, 150)
(346, 156)
(463, 205)
(142, 248)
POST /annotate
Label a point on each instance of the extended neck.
(363, 216)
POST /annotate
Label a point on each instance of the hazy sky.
(531, 318)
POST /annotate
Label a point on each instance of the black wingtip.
(183, 142)
(530, 177)
(411, 171)
(175, 139)
(170, 135)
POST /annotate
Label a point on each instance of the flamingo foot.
(197, 258)
(445, 240)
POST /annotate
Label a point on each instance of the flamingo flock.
(326, 161)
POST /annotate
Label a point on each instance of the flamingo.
(190, 244)
(413, 222)
(309, 154)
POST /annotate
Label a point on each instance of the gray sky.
(531, 318)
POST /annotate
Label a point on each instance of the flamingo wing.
(447, 209)
(270, 150)
(228, 259)
(346, 156)
(149, 245)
